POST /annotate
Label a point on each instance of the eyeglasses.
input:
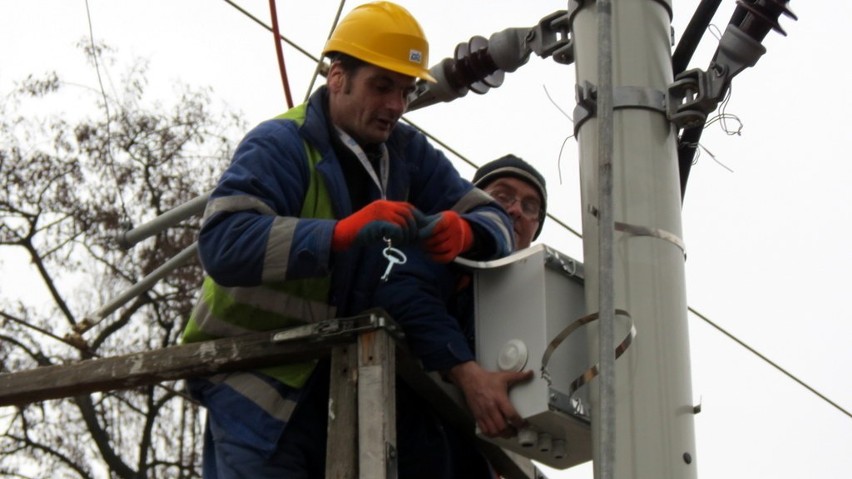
(531, 209)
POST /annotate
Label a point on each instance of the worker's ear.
(336, 78)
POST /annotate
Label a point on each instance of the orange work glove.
(446, 235)
(380, 219)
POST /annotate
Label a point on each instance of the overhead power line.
(770, 362)
(282, 37)
(319, 66)
(95, 52)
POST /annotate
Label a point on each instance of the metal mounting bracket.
(391, 460)
(552, 36)
(622, 97)
(566, 404)
(690, 99)
(369, 321)
(695, 93)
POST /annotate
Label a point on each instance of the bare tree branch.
(67, 188)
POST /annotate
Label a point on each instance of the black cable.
(687, 144)
(319, 66)
(689, 138)
(692, 35)
(285, 39)
(111, 162)
(771, 363)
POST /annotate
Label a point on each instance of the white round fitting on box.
(559, 448)
(545, 442)
(513, 356)
(527, 437)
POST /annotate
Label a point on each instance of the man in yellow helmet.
(294, 229)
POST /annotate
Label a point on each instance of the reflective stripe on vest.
(235, 203)
(236, 311)
(261, 393)
(278, 248)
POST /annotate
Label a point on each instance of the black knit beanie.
(511, 165)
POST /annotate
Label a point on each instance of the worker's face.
(523, 204)
(368, 102)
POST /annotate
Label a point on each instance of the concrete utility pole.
(642, 419)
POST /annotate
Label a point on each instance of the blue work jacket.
(253, 235)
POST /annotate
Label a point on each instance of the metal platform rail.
(367, 354)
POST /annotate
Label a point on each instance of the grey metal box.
(531, 297)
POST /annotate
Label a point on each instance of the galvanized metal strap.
(639, 230)
(591, 372)
(622, 97)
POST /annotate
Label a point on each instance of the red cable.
(280, 53)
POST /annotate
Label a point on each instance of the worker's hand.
(446, 235)
(487, 396)
(394, 220)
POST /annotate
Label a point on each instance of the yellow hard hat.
(383, 34)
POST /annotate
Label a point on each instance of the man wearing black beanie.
(443, 338)
(521, 190)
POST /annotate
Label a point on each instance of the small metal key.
(394, 257)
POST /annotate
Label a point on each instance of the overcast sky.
(766, 225)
